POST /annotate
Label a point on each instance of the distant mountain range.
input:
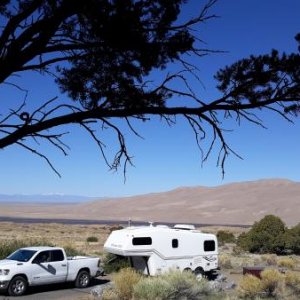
(236, 203)
(49, 198)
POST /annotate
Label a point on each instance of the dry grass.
(249, 287)
(214, 229)
(124, 282)
(269, 259)
(225, 261)
(292, 281)
(286, 262)
(272, 282)
(63, 235)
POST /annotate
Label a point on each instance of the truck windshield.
(21, 255)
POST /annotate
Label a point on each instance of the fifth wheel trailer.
(156, 249)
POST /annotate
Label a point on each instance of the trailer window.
(139, 241)
(209, 246)
(174, 243)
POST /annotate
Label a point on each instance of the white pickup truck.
(45, 265)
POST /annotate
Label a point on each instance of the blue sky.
(168, 157)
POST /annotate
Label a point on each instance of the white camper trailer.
(156, 249)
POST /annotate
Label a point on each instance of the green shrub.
(292, 239)
(172, 286)
(114, 263)
(266, 236)
(92, 239)
(152, 288)
(186, 286)
(225, 237)
(243, 241)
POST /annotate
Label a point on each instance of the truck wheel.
(83, 279)
(17, 286)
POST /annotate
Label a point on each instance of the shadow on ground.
(35, 290)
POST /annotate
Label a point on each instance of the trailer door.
(140, 263)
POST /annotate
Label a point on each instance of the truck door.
(39, 268)
(60, 265)
(49, 267)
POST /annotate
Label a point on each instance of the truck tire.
(17, 286)
(83, 279)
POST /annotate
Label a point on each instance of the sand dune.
(236, 203)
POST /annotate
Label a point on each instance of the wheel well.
(21, 275)
(84, 269)
(187, 270)
(199, 270)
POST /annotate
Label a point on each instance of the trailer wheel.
(83, 279)
(187, 270)
(17, 286)
(199, 273)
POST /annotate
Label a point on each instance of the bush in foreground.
(172, 286)
(292, 281)
(124, 282)
(152, 288)
(271, 285)
(272, 282)
(250, 287)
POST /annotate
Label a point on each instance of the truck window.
(209, 245)
(22, 255)
(139, 241)
(42, 257)
(174, 243)
(57, 255)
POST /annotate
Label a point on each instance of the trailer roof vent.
(184, 226)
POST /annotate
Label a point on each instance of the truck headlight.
(4, 271)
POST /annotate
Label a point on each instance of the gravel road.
(58, 292)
